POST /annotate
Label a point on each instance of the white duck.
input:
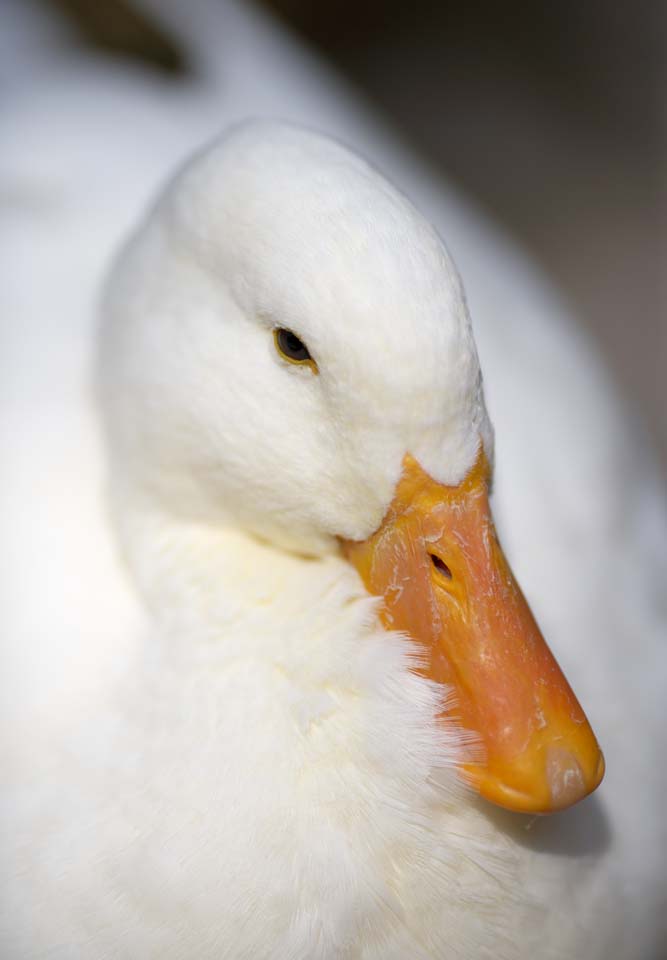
(124, 810)
(282, 336)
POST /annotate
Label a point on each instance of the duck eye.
(291, 348)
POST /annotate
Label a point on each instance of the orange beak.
(445, 581)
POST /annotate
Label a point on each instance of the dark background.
(549, 115)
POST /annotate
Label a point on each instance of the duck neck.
(201, 581)
(257, 625)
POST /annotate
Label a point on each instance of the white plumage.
(251, 769)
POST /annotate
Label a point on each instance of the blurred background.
(549, 116)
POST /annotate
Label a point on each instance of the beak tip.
(563, 783)
(568, 782)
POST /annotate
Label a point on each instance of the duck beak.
(437, 563)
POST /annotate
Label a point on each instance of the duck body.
(244, 806)
(246, 790)
(215, 749)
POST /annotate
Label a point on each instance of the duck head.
(287, 350)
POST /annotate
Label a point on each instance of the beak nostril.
(441, 566)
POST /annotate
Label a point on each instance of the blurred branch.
(117, 27)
